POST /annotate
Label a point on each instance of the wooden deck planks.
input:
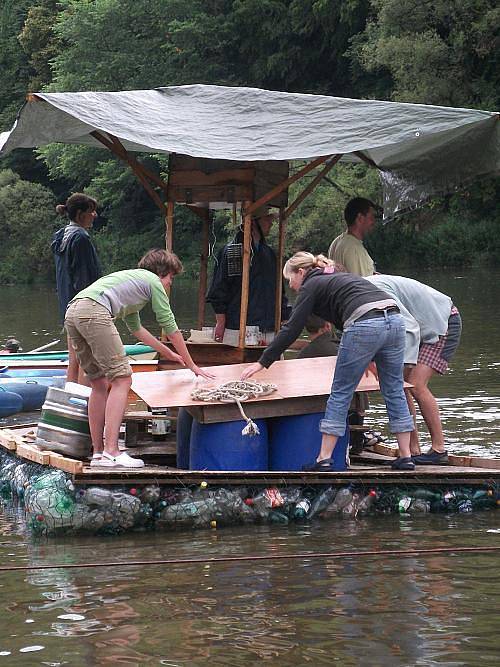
(372, 471)
(365, 475)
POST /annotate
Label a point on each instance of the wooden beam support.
(368, 160)
(245, 275)
(306, 191)
(117, 148)
(198, 210)
(32, 453)
(284, 184)
(169, 226)
(279, 268)
(202, 288)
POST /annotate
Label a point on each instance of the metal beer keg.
(64, 424)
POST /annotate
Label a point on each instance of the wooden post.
(245, 275)
(279, 268)
(169, 226)
(202, 289)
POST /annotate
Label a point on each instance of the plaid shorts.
(438, 355)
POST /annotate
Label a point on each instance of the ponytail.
(76, 202)
(307, 261)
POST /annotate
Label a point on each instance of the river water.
(376, 610)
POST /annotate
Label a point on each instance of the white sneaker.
(123, 460)
(96, 460)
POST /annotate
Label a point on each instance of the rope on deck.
(406, 553)
(236, 391)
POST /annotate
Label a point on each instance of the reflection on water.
(371, 611)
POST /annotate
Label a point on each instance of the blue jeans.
(381, 339)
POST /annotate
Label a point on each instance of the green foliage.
(14, 69)
(444, 52)
(39, 42)
(440, 52)
(27, 222)
(460, 230)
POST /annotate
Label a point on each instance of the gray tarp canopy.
(420, 150)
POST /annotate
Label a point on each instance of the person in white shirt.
(433, 327)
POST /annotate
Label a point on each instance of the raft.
(65, 495)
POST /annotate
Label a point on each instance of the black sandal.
(325, 465)
(372, 438)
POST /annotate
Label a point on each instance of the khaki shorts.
(96, 341)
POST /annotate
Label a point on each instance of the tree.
(440, 52)
(27, 222)
(39, 42)
(14, 68)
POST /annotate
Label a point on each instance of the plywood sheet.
(294, 378)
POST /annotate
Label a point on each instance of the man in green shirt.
(90, 325)
(347, 250)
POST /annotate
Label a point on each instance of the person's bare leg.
(419, 377)
(328, 443)
(82, 378)
(73, 367)
(97, 412)
(404, 444)
(115, 409)
(414, 439)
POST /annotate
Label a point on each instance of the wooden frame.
(230, 186)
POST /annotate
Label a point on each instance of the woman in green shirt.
(90, 325)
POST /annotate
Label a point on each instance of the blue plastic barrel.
(295, 441)
(32, 393)
(10, 403)
(221, 446)
(183, 437)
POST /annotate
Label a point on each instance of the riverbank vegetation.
(433, 53)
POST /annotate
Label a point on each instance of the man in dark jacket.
(225, 291)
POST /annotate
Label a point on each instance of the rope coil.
(236, 391)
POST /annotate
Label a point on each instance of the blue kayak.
(7, 372)
(53, 381)
(10, 403)
(32, 394)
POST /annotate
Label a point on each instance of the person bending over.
(433, 330)
(99, 349)
(373, 330)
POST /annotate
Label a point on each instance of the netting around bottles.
(53, 504)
